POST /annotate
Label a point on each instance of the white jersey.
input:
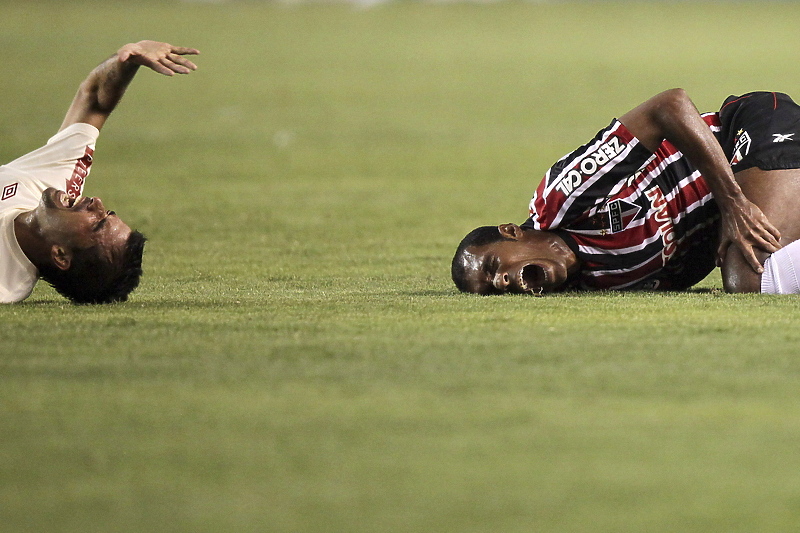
(63, 163)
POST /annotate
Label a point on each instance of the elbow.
(671, 103)
(676, 95)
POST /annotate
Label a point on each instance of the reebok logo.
(780, 137)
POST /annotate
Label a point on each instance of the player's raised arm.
(671, 115)
(102, 90)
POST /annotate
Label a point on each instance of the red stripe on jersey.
(619, 281)
(734, 101)
(630, 238)
(691, 193)
(555, 191)
(664, 186)
(712, 119)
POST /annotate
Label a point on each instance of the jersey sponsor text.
(75, 183)
(589, 165)
(664, 223)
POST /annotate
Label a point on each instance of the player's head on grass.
(86, 252)
(512, 259)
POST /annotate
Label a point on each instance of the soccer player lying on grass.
(654, 202)
(47, 229)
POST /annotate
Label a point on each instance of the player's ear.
(62, 257)
(510, 231)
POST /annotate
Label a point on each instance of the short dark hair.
(478, 237)
(92, 279)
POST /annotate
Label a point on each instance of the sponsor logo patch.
(664, 222)
(782, 137)
(75, 183)
(588, 165)
(9, 191)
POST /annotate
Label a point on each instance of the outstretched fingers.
(159, 66)
(163, 58)
(182, 50)
(183, 61)
(174, 63)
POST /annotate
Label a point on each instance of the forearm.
(102, 90)
(672, 116)
(682, 125)
(107, 83)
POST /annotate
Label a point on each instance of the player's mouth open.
(65, 200)
(532, 278)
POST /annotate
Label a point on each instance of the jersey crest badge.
(620, 214)
(9, 191)
(741, 147)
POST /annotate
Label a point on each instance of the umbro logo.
(780, 137)
(9, 191)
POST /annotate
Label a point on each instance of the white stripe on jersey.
(591, 181)
(712, 127)
(551, 184)
(589, 150)
(653, 174)
(597, 273)
(619, 251)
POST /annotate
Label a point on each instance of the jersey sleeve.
(583, 179)
(63, 162)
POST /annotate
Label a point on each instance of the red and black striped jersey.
(635, 219)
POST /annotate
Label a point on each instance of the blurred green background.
(297, 359)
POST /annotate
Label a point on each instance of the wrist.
(735, 201)
(728, 194)
(125, 53)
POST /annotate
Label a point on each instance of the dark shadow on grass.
(428, 292)
(567, 294)
(42, 303)
(136, 304)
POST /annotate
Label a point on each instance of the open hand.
(747, 228)
(164, 58)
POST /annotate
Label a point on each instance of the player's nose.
(97, 205)
(501, 281)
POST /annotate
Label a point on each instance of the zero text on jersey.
(589, 165)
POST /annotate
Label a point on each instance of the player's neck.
(571, 260)
(26, 230)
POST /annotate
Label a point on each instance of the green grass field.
(297, 360)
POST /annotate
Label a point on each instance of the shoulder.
(18, 276)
